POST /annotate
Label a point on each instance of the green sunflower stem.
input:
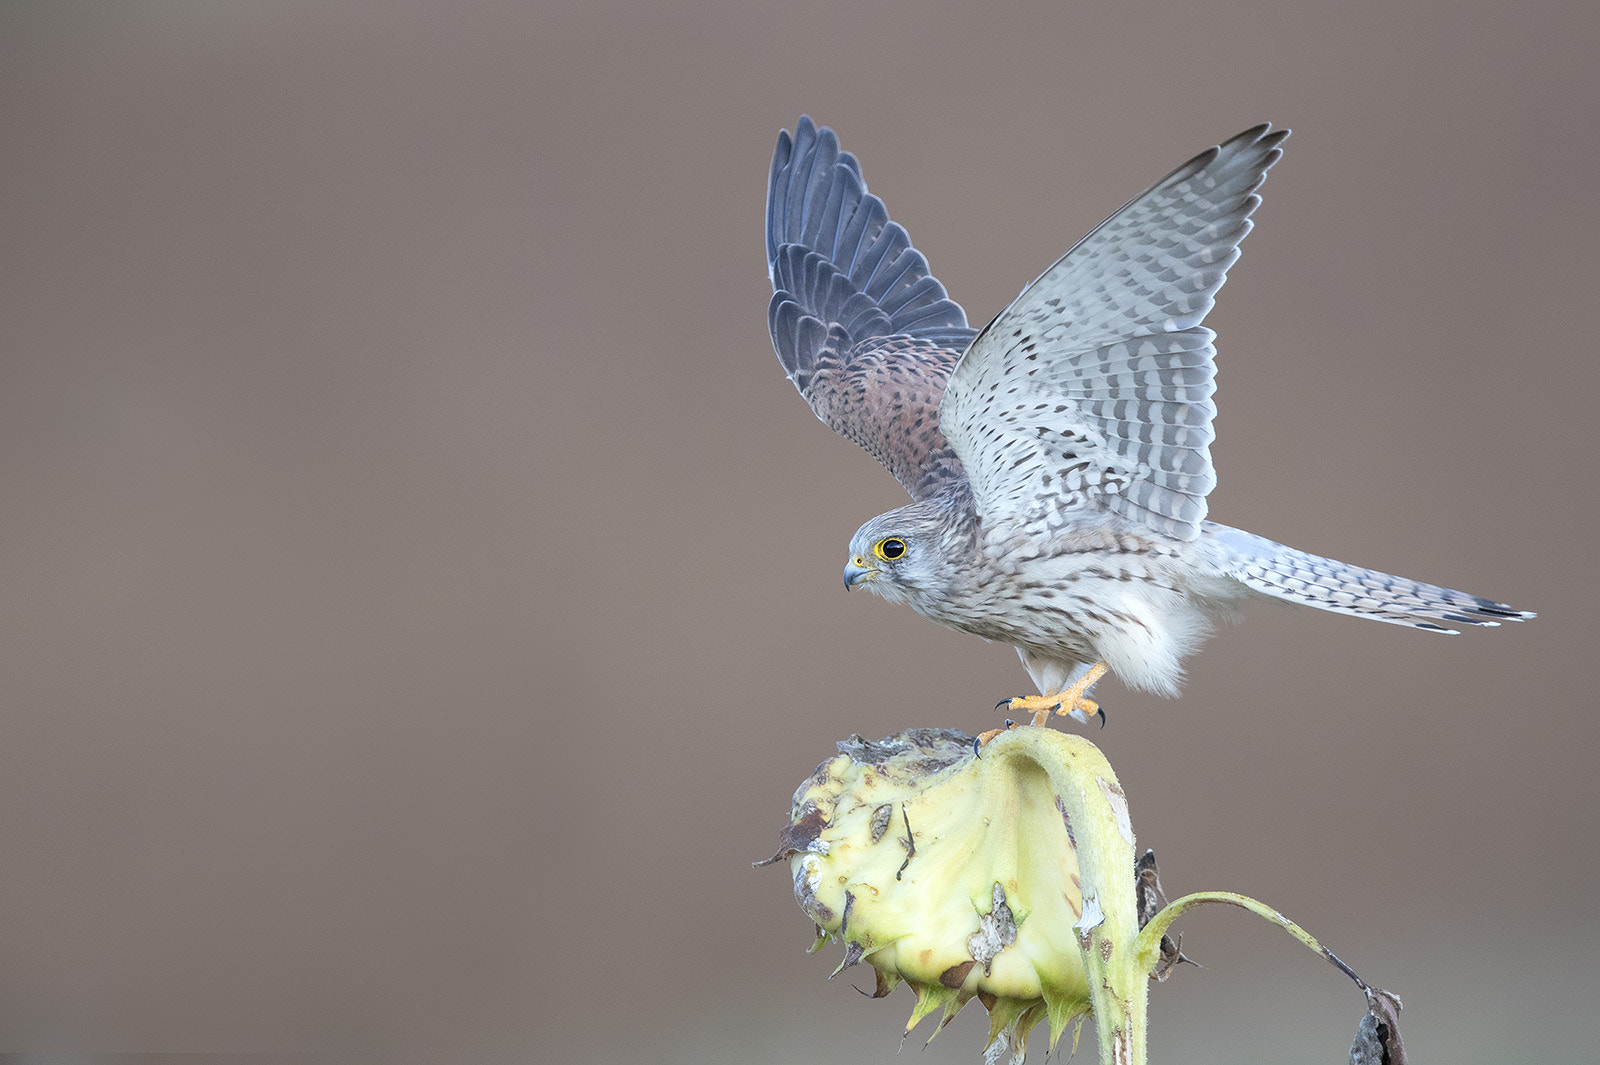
(1148, 944)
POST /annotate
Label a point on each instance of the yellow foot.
(1041, 706)
(984, 737)
(1069, 700)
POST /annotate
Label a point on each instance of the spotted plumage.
(1058, 459)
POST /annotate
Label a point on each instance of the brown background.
(422, 586)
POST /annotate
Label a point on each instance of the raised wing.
(1093, 389)
(862, 327)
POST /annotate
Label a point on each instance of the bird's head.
(896, 555)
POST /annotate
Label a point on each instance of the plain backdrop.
(421, 588)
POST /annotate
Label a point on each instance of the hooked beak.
(856, 572)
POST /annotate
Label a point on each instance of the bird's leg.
(1066, 701)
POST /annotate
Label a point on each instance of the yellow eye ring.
(889, 549)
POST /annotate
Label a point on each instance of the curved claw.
(1101, 714)
(984, 737)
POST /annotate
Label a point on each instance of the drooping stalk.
(1096, 811)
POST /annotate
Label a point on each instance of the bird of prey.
(1059, 458)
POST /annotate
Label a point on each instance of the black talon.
(1101, 714)
(1002, 704)
(975, 753)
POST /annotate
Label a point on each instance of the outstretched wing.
(1092, 391)
(863, 328)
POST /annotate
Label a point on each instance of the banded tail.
(1284, 573)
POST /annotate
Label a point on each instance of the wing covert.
(862, 327)
(1093, 388)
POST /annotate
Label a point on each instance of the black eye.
(891, 548)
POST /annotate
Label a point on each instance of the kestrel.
(1059, 458)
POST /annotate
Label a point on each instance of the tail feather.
(1284, 573)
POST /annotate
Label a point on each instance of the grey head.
(906, 555)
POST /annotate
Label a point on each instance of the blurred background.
(422, 586)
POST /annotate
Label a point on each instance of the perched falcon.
(1059, 458)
